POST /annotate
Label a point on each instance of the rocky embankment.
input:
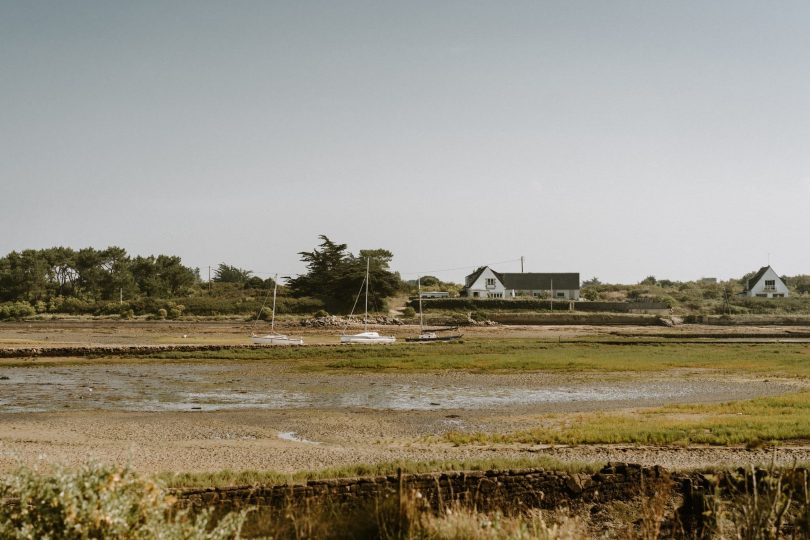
(333, 321)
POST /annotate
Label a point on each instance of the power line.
(418, 273)
(423, 272)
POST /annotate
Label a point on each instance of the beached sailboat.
(273, 338)
(365, 336)
(430, 336)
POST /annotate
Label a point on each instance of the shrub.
(321, 313)
(162, 314)
(112, 308)
(409, 313)
(175, 312)
(77, 306)
(16, 310)
(590, 294)
(304, 305)
(100, 502)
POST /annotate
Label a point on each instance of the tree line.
(91, 280)
(92, 274)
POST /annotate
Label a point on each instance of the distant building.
(487, 283)
(766, 284)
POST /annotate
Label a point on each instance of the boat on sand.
(366, 337)
(273, 338)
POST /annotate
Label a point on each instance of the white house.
(487, 283)
(766, 284)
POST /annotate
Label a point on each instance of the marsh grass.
(753, 422)
(515, 355)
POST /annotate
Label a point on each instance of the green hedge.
(529, 304)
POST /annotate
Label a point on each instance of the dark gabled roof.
(754, 280)
(469, 280)
(533, 281)
(529, 281)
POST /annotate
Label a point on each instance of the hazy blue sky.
(616, 139)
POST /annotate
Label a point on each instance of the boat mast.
(365, 319)
(421, 317)
(273, 317)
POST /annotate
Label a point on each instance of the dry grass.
(753, 422)
(266, 478)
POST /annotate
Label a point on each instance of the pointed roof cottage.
(487, 283)
(766, 284)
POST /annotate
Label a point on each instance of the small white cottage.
(487, 283)
(766, 284)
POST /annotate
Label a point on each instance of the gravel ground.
(272, 440)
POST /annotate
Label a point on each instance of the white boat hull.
(276, 339)
(367, 338)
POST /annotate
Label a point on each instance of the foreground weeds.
(101, 503)
(96, 502)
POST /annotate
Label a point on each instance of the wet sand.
(208, 416)
(208, 385)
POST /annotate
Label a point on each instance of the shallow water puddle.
(292, 437)
(152, 387)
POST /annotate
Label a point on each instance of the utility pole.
(209, 279)
(551, 302)
(521, 264)
(121, 295)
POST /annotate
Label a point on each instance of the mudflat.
(290, 412)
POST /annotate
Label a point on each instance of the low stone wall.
(111, 350)
(490, 490)
(567, 318)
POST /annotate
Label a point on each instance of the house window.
(496, 295)
(490, 283)
(770, 284)
(762, 295)
(560, 295)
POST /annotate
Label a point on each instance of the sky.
(615, 139)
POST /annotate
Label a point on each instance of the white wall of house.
(770, 286)
(487, 286)
(559, 294)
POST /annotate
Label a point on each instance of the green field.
(515, 355)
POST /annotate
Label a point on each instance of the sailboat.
(273, 338)
(425, 335)
(365, 336)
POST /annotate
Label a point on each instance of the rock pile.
(340, 322)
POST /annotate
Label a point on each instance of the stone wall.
(490, 490)
(127, 350)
